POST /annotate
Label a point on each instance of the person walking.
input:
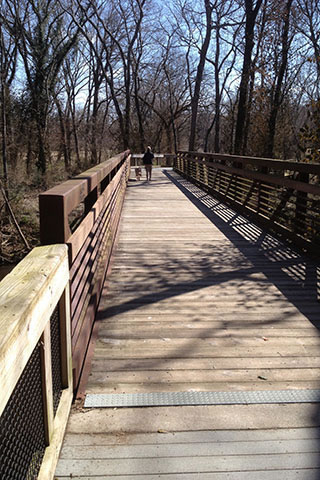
(147, 162)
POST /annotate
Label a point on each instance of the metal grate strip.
(56, 358)
(200, 398)
(22, 433)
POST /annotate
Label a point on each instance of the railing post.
(197, 169)
(261, 191)
(54, 225)
(206, 174)
(47, 390)
(301, 206)
(189, 165)
(65, 332)
(90, 200)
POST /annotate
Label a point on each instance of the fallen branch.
(23, 238)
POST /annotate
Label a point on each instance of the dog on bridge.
(138, 173)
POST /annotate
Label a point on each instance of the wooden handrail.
(97, 196)
(34, 300)
(283, 196)
(274, 164)
(57, 203)
(264, 177)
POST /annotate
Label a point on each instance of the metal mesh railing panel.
(22, 432)
(56, 358)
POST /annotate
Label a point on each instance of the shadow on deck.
(200, 299)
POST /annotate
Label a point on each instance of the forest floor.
(24, 193)
(26, 212)
(24, 189)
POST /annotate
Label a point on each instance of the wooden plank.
(112, 349)
(264, 447)
(205, 303)
(206, 376)
(228, 319)
(133, 364)
(47, 388)
(28, 296)
(203, 437)
(194, 464)
(65, 339)
(52, 452)
(124, 421)
(211, 331)
(209, 342)
(306, 474)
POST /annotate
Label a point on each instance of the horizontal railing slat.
(100, 191)
(281, 195)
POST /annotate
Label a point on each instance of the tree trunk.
(4, 137)
(64, 148)
(196, 95)
(94, 116)
(209, 130)
(139, 115)
(41, 161)
(218, 96)
(277, 100)
(251, 15)
(169, 138)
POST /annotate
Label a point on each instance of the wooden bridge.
(203, 361)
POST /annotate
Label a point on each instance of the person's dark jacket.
(147, 158)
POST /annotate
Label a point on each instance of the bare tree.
(276, 97)
(309, 26)
(117, 25)
(251, 12)
(199, 76)
(73, 80)
(8, 62)
(226, 31)
(43, 41)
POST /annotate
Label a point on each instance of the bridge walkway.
(199, 300)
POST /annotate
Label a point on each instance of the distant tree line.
(81, 79)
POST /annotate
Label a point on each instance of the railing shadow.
(252, 256)
(290, 272)
(284, 266)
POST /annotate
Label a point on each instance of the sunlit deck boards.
(200, 299)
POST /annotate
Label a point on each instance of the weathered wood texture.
(253, 455)
(200, 299)
(30, 297)
(282, 196)
(84, 212)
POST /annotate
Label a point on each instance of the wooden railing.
(282, 196)
(160, 159)
(84, 213)
(35, 364)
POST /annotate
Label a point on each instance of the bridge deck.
(200, 299)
